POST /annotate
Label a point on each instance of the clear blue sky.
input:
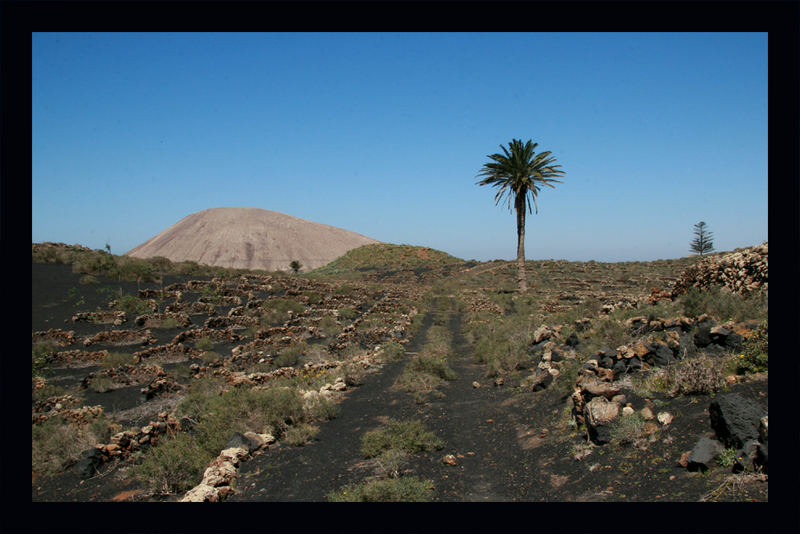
(384, 134)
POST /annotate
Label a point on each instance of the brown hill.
(250, 238)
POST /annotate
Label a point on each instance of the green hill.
(386, 257)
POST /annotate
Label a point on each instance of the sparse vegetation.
(496, 321)
(409, 436)
(754, 357)
(402, 489)
(57, 443)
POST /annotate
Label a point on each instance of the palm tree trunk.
(521, 279)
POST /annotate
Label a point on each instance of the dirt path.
(334, 458)
(476, 424)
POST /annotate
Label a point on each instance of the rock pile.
(124, 443)
(103, 317)
(739, 423)
(168, 352)
(741, 272)
(79, 357)
(220, 474)
(80, 416)
(58, 336)
(121, 337)
(155, 320)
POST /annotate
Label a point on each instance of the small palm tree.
(518, 174)
(295, 266)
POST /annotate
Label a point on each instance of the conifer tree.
(703, 241)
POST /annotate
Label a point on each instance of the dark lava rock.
(663, 356)
(620, 367)
(762, 456)
(573, 340)
(90, 460)
(735, 419)
(703, 453)
(702, 338)
(733, 341)
(745, 456)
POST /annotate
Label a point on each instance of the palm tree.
(518, 174)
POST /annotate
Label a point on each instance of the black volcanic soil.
(509, 445)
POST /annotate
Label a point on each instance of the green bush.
(329, 326)
(347, 313)
(321, 409)
(41, 352)
(409, 436)
(116, 359)
(628, 429)
(291, 354)
(391, 463)
(57, 443)
(132, 305)
(754, 357)
(177, 464)
(301, 434)
(276, 310)
(727, 457)
(204, 343)
(700, 375)
(392, 351)
(173, 465)
(403, 489)
(723, 305)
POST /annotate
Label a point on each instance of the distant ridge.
(250, 238)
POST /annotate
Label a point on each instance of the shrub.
(173, 465)
(116, 359)
(431, 365)
(313, 297)
(755, 352)
(57, 443)
(177, 464)
(291, 354)
(88, 279)
(392, 351)
(409, 436)
(41, 351)
(727, 457)
(301, 434)
(329, 326)
(132, 305)
(723, 304)
(203, 343)
(353, 374)
(628, 429)
(276, 310)
(321, 409)
(347, 313)
(700, 375)
(390, 463)
(403, 489)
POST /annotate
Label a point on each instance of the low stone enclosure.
(601, 393)
(214, 315)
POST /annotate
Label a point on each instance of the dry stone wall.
(741, 272)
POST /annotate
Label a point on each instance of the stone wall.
(741, 272)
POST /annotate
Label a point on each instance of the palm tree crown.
(518, 174)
